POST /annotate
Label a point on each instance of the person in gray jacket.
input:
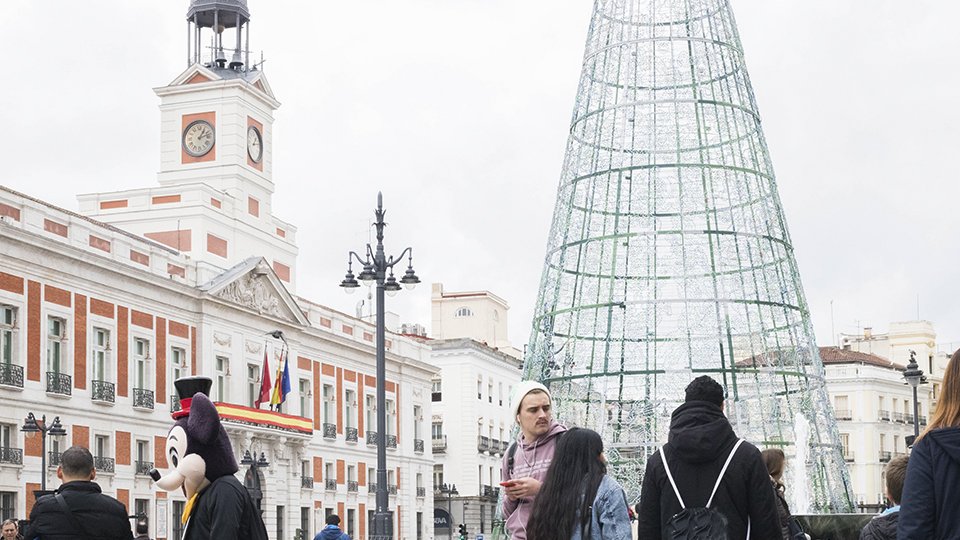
(578, 499)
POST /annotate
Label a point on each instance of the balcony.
(371, 487)
(883, 415)
(391, 441)
(11, 456)
(53, 459)
(142, 398)
(174, 403)
(489, 492)
(143, 468)
(104, 464)
(11, 375)
(483, 444)
(844, 414)
(418, 446)
(923, 420)
(102, 391)
(329, 430)
(59, 383)
(440, 444)
(503, 446)
(392, 489)
(306, 482)
(371, 438)
(352, 486)
(421, 492)
(351, 434)
(848, 457)
(884, 456)
(898, 417)
(908, 418)
(330, 484)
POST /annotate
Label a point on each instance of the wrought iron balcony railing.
(371, 438)
(351, 434)
(483, 443)
(421, 492)
(142, 398)
(883, 415)
(174, 403)
(143, 468)
(391, 441)
(923, 420)
(392, 489)
(330, 484)
(848, 457)
(371, 487)
(352, 485)
(11, 375)
(489, 492)
(439, 444)
(844, 414)
(306, 482)
(329, 430)
(53, 459)
(418, 446)
(104, 464)
(59, 383)
(908, 419)
(898, 417)
(12, 456)
(102, 391)
(884, 456)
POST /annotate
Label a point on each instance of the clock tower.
(215, 181)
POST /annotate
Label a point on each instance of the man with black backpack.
(710, 480)
(78, 510)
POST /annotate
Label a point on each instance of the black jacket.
(700, 440)
(225, 511)
(881, 528)
(100, 516)
(928, 510)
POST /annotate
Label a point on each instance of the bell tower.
(216, 155)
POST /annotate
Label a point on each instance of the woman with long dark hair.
(928, 510)
(578, 500)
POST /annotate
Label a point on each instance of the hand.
(522, 488)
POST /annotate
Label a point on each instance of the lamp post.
(449, 492)
(914, 377)
(32, 426)
(252, 477)
(376, 264)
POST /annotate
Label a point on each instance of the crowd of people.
(705, 482)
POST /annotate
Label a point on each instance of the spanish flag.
(282, 387)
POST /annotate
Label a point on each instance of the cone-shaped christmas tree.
(669, 256)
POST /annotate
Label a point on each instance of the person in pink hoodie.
(525, 464)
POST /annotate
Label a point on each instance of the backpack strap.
(724, 470)
(70, 517)
(663, 457)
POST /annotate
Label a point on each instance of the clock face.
(198, 138)
(254, 144)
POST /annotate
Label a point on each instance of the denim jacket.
(609, 519)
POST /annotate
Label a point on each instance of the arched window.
(463, 312)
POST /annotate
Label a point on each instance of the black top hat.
(187, 387)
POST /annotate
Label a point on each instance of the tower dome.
(218, 15)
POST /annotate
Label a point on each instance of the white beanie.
(521, 390)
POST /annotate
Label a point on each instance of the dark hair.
(333, 519)
(703, 388)
(570, 486)
(896, 472)
(773, 458)
(76, 462)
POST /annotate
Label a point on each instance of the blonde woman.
(928, 510)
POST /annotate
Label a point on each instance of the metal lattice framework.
(669, 256)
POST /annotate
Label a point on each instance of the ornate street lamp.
(251, 478)
(376, 266)
(449, 492)
(32, 426)
(914, 377)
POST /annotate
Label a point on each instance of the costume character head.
(198, 450)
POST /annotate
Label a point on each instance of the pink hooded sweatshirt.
(531, 460)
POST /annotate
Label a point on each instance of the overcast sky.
(458, 111)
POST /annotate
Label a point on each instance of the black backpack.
(698, 523)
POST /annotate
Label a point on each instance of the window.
(463, 312)
(329, 403)
(8, 328)
(883, 442)
(845, 443)
(222, 381)
(500, 393)
(351, 473)
(328, 472)
(102, 446)
(305, 393)
(305, 469)
(142, 506)
(8, 436)
(419, 480)
(436, 393)
(417, 422)
(351, 406)
(143, 451)
(371, 475)
(480, 388)
(896, 443)
(280, 518)
(178, 363)
(56, 333)
(101, 353)
(304, 522)
(141, 362)
(419, 525)
(437, 475)
(436, 430)
(351, 519)
(253, 388)
(391, 419)
(8, 504)
(490, 390)
(370, 408)
(177, 525)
